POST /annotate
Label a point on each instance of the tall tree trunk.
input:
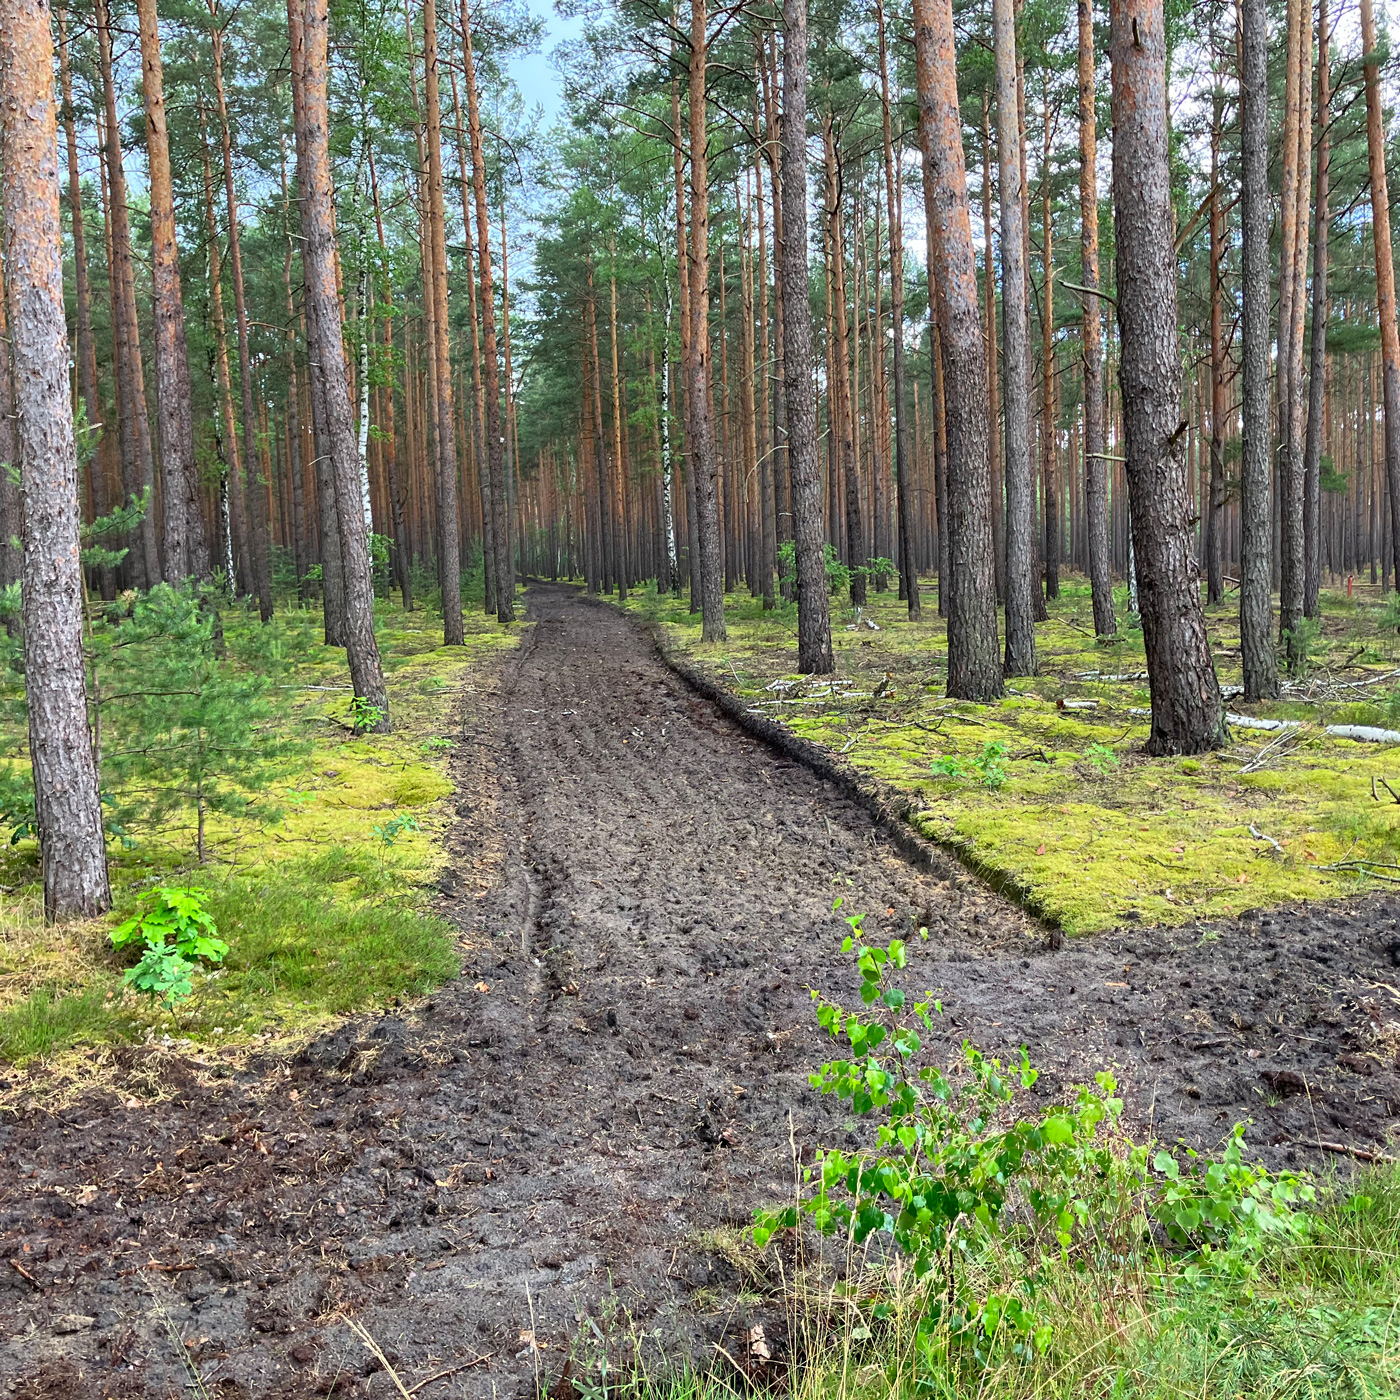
(257, 510)
(402, 571)
(903, 467)
(1095, 463)
(333, 602)
(1215, 516)
(1049, 398)
(222, 379)
(1385, 276)
(702, 428)
(328, 348)
(1317, 383)
(445, 473)
(82, 295)
(186, 552)
(974, 670)
(1021, 584)
(66, 802)
(767, 455)
(1187, 713)
(841, 407)
(500, 513)
(1292, 288)
(478, 429)
(1256, 542)
(814, 653)
(134, 421)
(299, 534)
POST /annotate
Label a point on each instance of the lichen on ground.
(1048, 791)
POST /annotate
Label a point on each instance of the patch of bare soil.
(555, 1154)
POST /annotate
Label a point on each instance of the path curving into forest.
(578, 1127)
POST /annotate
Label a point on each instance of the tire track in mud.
(558, 1150)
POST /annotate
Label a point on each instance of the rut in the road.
(583, 1121)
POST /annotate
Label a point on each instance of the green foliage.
(186, 726)
(174, 933)
(1301, 644)
(1101, 757)
(121, 521)
(838, 576)
(987, 769)
(961, 1184)
(365, 715)
(17, 803)
(390, 831)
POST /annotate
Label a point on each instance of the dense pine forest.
(699, 699)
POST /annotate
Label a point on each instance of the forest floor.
(1047, 792)
(555, 1154)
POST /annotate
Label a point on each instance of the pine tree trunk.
(974, 669)
(814, 652)
(1256, 540)
(257, 513)
(1187, 712)
(1049, 399)
(300, 552)
(500, 511)
(186, 552)
(134, 422)
(445, 465)
(702, 428)
(66, 802)
(328, 349)
(1095, 463)
(333, 605)
(1317, 384)
(1021, 585)
(903, 467)
(86, 353)
(1385, 277)
(1215, 517)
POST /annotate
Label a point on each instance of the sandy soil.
(554, 1154)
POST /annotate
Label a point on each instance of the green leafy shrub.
(986, 1205)
(838, 576)
(987, 768)
(174, 933)
(1101, 757)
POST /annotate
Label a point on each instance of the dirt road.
(555, 1154)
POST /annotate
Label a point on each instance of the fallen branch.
(450, 1371)
(1260, 836)
(1362, 1154)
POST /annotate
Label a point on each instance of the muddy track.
(556, 1151)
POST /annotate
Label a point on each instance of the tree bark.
(903, 468)
(1049, 397)
(1256, 534)
(814, 652)
(186, 551)
(328, 349)
(702, 428)
(134, 421)
(66, 802)
(1317, 384)
(500, 513)
(1215, 516)
(974, 669)
(1095, 463)
(86, 353)
(254, 486)
(1385, 276)
(1187, 712)
(1020, 659)
(445, 465)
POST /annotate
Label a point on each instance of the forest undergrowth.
(1047, 792)
(320, 843)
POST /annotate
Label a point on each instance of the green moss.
(321, 916)
(1158, 839)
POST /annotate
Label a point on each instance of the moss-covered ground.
(1049, 792)
(326, 906)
